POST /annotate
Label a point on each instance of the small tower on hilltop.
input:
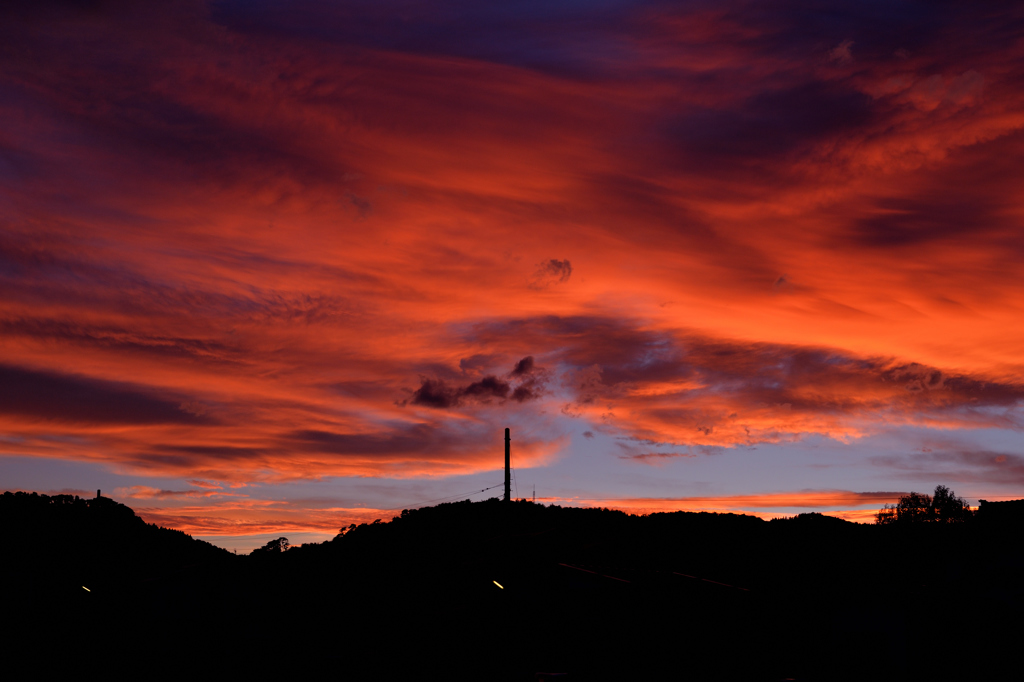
(508, 466)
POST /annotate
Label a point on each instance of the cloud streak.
(843, 504)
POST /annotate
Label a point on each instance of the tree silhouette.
(948, 508)
(272, 547)
(942, 507)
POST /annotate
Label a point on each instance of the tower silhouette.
(508, 466)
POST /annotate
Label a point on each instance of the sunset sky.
(272, 268)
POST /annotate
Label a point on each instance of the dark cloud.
(488, 387)
(523, 367)
(525, 382)
(913, 221)
(551, 272)
(525, 392)
(435, 393)
(782, 283)
(531, 378)
(621, 350)
(769, 125)
(708, 385)
(65, 397)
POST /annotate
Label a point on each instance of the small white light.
(86, 588)
(497, 583)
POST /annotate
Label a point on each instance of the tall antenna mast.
(508, 466)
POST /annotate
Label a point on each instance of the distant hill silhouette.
(489, 590)
(93, 540)
(94, 532)
(75, 569)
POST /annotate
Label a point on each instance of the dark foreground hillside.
(591, 593)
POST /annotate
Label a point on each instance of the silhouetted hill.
(97, 539)
(490, 590)
(603, 594)
(67, 556)
(95, 533)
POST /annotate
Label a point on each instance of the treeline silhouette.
(942, 507)
(60, 543)
(494, 590)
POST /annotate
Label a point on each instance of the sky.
(273, 268)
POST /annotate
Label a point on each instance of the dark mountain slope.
(491, 590)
